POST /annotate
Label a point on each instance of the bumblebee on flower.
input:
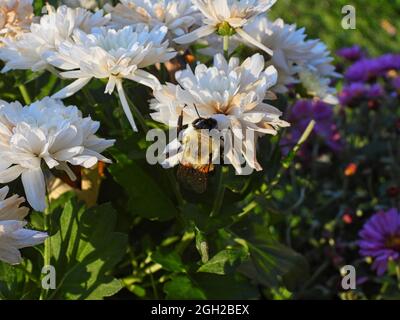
(230, 96)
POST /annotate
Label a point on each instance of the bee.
(196, 163)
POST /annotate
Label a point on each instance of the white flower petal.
(145, 78)
(10, 254)
(253, 41)
(3, 192)
(66, 154)
(11, 173)
(35, 188)
(125, 105)
(71, 89)
(196, 34)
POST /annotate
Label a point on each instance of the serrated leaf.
(224, 262)
(84, 250)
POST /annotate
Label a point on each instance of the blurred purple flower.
(352, 94)
(366, 70)
(375, 91)
(354, 53)
(363, 70)
(302, 112)
(380, 239)
(396, 84)
(389, 61)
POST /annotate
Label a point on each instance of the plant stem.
(314, 277)
(47, 242)
(219, 198)
(287, 161)
(226, 47)
(46, 253)
(25, 94)
(153, 285)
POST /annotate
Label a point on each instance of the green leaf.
(210, 286)
(201, 245)
(170, 261)
(228, 287)
(225, 261)
(84, 251)
(14, 282)
(270, 261)
(146, 198)
(182, 288)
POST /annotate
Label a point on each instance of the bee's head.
(205, 123)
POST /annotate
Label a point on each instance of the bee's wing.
(195, 164)
(197, 147)
(193, 178)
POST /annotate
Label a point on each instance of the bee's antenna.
(197, 111)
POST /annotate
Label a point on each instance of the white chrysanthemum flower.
(288, 44)
(316, 73)
(13, 235)
(232, 94)
(10, 207)
(113, 55)
(45, 134)
(296, 59)
(177, 15)
(228, 17)
(317, 86)
(53, 28)
(15, 17)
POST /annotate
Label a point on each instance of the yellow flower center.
(393, 242)
(225, 29)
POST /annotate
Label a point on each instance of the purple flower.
(302, 112)
(380, 239)
(396, 84)
(389, 62)
(354, 53)
(363, 71)
(375, 91)
(356, 92)
(352, 94)
(366, 70)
